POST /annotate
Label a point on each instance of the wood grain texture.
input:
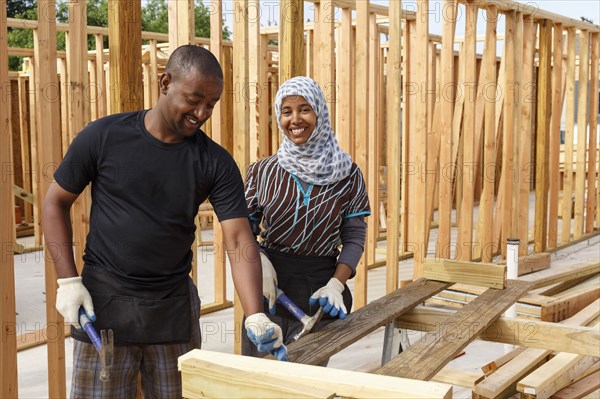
(426, 357)
(319, 346)
(475, 273)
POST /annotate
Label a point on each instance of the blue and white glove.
(266, 335)
(330, 298)
(70, 296)
(269, 282)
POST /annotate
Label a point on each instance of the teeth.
(297, 131)
(192, 121)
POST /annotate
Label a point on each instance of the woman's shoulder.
(265, 163)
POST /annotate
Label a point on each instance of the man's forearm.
(58, 241)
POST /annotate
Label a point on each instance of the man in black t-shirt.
(150, 170)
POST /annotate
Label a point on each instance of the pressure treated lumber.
(317, 347)
(8, 345)
(568, 305)
(532, 334)
(503, 383)
(219, 375)
(425, 358)
(291, 39)
(494, 365)
(559, 274)
(475, 273)
(584, 386)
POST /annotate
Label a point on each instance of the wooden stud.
(464, 245)
(446, 110)
(324, 56)
(101, 86)
(527, 42)
(408, 123)
(486, 202)
(254, 71)
(8, 346)
(582, 137)
(344, 131)
(466, 272)
(26, 139)
(362, 131)
(557, 105)
(153, 81)
(420, 134)
(393, 136)
(263, 100)
(291, 39)
(592, 203)
(125, 41)
(49, 151)
(567, 205)
(544, 97)
(181, 23)
(371, 174)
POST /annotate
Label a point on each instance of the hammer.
(104, 345)
(308, 321)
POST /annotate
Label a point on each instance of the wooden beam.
(567, 205)
(558, 274)
(592, 203)
(475, 273)
(315, 348)
(215, 374)
(561, 337)
(181, 23)
(581, 388)
(49, 151)
(566, 306)
(582, 134)
(345, 61)
(534, 263)
(425, 358)
(8, 346)
(291, 39)
(125, 41)
(393, 136)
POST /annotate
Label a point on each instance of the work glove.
(330, 298)
(269, 282)
(266, 335)
(70, 296)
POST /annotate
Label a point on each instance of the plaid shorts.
(157, 365)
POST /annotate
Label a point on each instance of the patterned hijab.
(320, 160)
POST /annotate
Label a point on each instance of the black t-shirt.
(145, 196)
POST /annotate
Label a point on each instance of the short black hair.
(189, 57)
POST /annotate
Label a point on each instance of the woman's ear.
(164, 82)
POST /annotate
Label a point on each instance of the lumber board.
(216, 374)
(534, 263)
(466, 272)
(454, 376)
(516, 331)
(491, 367)
(316, 347)
(585, 386)
(567, 306)
(567, 205)
(503, 383)
(559, 274)
(8, 347)
(592, 200)
(425, 358)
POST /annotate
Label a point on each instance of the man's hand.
(330, 298)
(269, 282)
(266, 335)
(70, 296)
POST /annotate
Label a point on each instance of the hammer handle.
(291, 306)
(86, 324)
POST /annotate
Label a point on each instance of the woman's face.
(298, 120)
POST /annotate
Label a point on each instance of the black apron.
(149, 316)
(299, 276)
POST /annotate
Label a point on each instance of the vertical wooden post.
(420, 135)
(362, 133)
(508, 137)
(324, 62)
(101, 82)
(486, 204)
(79, 110)
(344, 131)
(153, 81)
(554, 156)
(467, 174)
(253, 88)
(582, 121)
(291, 39)
(181, 23)
(567, 205)
(408, 124)
(217, 121)
(263, 100)
(393, 135)
(525, 128)
(241, 121)
(49, 150)
(542, 137)
(26, 137)
(447, 110)
(8, 346)
(592, 175)
(125, 42)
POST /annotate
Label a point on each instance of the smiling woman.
(298, 119)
